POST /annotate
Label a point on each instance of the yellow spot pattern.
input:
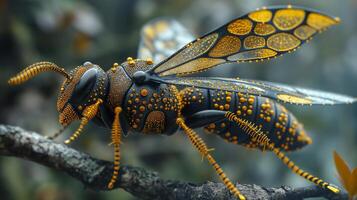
(261, 16)
(287, 19)
(304, 32)
(253, 42)
(264, 29)
(319, 21)
(240, 27)
(253, 55)
(283, 42)
(199, 64)
(293, 99)
(226, 46)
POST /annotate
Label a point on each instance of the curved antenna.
(34, 69)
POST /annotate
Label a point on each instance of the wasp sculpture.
(140, 96)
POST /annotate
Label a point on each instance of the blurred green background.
(70, 32)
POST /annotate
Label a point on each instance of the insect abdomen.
(273, 119)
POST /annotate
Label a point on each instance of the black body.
(151, 107)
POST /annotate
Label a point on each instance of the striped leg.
(202, 148)
(88, 114)
(116, 138)
(301, 172)
(255, 133)
(58, 133)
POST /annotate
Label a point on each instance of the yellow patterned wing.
(277, 91)
(256, 36)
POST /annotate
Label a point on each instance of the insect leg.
(202, 148)
(58, 133)
(116, 139)
(88, 114)
(290, 164)
(255, 133)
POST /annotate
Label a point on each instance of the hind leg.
(256, 134)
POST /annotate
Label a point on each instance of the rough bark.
(144, 184)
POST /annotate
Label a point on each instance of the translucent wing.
(277, 91)
(161, 38)
(259, 35)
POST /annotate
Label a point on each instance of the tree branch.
(95, 173)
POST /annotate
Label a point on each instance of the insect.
(152, 95)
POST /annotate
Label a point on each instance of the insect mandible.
(152, 95)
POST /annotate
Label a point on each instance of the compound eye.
(84, 86)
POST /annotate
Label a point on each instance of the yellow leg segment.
(255, 133)
(116, 138)
(202, 148)
(301, 172)
(88, 114)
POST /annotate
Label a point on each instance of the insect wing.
(161, 38)
(257, 36)
(316, 96)
(280, 92)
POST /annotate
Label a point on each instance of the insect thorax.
(151, 108)
(148, 108)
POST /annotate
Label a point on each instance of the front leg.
(116, 139)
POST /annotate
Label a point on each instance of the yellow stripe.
(314, 179)
(286, 160)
